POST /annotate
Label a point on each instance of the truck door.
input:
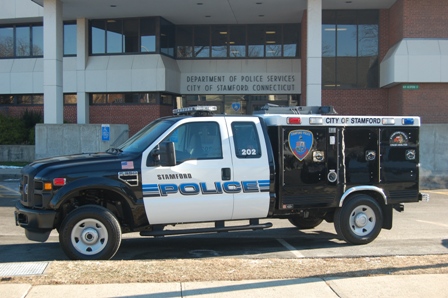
(250, 167)
(399, 163)
(310, 166)
(361, 156)
(196, 188)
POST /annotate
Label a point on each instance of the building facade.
(103, 61)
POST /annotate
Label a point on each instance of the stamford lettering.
(173, 176)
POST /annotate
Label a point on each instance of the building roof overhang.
(207, 11)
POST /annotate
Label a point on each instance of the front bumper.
(35, 222)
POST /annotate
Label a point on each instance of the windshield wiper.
(114, 150)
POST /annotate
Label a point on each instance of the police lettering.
(193, 188)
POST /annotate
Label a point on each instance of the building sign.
(241, 83)
(410, 87)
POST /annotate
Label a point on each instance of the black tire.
(360, 220)
(90, 233)
(305, 223)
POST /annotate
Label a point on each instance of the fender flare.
(89, 183)
(362, 188)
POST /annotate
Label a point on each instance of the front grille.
(31, 192)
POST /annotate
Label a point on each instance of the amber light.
(48, 186)
(59, 181)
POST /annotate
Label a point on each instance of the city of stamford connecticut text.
(240, 83)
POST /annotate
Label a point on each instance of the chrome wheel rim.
(89, 236)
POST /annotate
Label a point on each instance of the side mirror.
(163, 154)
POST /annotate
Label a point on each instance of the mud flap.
(37, 236)
(387, 217)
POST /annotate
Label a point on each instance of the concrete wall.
(434, 156)
(16, 153)
(63, 139)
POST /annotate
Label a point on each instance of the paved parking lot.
(421, 229)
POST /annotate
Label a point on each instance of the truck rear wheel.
(360, 220)
(90, 233)
(305, 223)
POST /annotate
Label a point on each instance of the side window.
(200, 140)
(245, 137)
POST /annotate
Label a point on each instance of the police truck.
(303, 164)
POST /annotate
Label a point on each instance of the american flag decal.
(127, 165)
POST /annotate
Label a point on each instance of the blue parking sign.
(105, 132)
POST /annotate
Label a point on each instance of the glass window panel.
(114, 36)
(99, 98)
(273, 40)
(167, 35)
(69, 39)
(148, 35)
(346, 39)
(291, 40)
(367, 40)
(328, 40)
(368, 17)
(117, 98)
(346, 74)
(219, 41)
(130, 35)
(202, 41)
(184, 40)
(6, 99)
(255, 40)
(24, 99)
(70, 99)
(237, 41)
(38, 40)
(368, 72)
(329, 17)
(38, 99)
(98, 37)
(23, 41)
(328, 72)
(167, 99)
(147, 98)
(6, 42)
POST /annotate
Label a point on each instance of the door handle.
(225, 174)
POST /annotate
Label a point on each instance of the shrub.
(12, 131)
(19, 131)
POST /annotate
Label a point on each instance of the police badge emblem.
(300, 143)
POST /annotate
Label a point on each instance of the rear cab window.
(245, 137)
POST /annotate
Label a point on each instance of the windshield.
(147, 135)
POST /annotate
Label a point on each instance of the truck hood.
(82, 163)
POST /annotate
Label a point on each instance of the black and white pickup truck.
(304, 164)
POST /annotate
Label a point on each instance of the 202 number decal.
(248, 152)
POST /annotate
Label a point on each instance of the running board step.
(216, 229)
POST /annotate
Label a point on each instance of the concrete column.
(82, 56)
(53, 53)
(314, 53)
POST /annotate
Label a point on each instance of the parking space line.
(291, 248)
(432, 223)
(436, 192)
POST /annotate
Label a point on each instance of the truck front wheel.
(359, 221)
(90, 233)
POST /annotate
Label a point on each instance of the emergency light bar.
(191, 110)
